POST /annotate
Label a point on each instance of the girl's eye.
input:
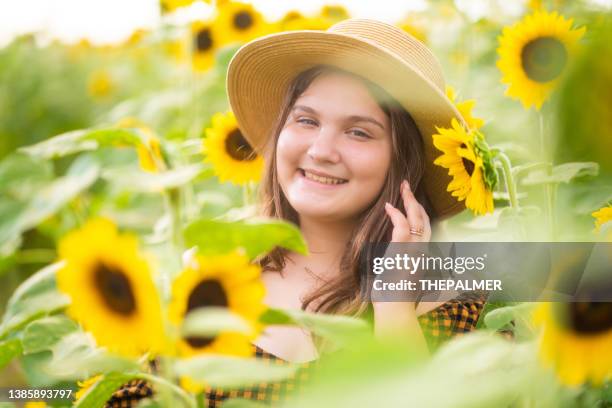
(360, 133)
(307, 121)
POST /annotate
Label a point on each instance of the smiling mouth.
(322, 179)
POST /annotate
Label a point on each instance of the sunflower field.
(129, 219)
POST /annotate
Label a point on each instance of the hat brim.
(261, 71)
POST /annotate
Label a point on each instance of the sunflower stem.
(174, 207)
(548, 187)
(188, 399)
(509, 178)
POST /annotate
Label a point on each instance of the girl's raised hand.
(413, 226)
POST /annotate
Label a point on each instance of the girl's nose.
(323, 147)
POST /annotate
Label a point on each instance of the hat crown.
(410, 50)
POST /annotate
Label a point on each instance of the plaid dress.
(439, 325)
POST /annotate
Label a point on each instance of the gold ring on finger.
(416, 231)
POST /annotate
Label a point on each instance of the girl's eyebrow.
(352, 118)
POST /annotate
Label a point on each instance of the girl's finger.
(413, 208)
(426, 224)
(397, 218)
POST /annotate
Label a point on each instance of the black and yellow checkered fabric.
(439, 325)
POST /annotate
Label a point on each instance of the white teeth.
(324, 180)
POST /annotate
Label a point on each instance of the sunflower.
(100, 84)
(468, 160)
(85, 385)
(334, 13)
(294, 20)
(110, 285)
(204, 43)
(228, 151)
(465, 108)
(227, 281)
(239, 22)
(577, 340)
(168, 6)
(150, 156)
(413, 27)
(534, 54)
(602, 216)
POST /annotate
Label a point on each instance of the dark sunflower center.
(115, 289)
(207, 293)
(238, 148)
(543, 59)
(590, 317)
(243, 20)
(203, 40)
(467, 164)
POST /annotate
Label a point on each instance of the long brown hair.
(342, 294)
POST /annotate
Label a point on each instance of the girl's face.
(334, 151)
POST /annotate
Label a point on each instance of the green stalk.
(510, 184)
(548, 187)
(188, 399)
(173, 204)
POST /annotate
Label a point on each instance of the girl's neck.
(326, 243)
(325, 237)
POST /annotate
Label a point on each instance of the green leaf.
(35, 297)
(82, 140)
(229, 372)
(563, 173)
(51, 198)
(515, 318)
(341, 330)
(275, 316)
(76, 356)
(43, 334)
(101, 391)
(242, 403)
(255, 236)
(22, 175)
(489, 307)
(9, 349)
(210, 321)
(154, 182)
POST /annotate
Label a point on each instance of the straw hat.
(261, 71)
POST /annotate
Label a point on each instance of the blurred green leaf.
(255, 236)
(242, 403)
(209, 321)
(22, 175)
(514, 317)
(43, 333)
(229, 372)
(76, 356)
(275, 316)
(101, 391)
(341, 330)
(563, 173)
(488, 307)
(154, 182)
(9, 349)
(35, 297)
(50, 198)
(82, 140)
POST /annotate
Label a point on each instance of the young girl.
(344, 119)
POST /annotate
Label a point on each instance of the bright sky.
(110, 21)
